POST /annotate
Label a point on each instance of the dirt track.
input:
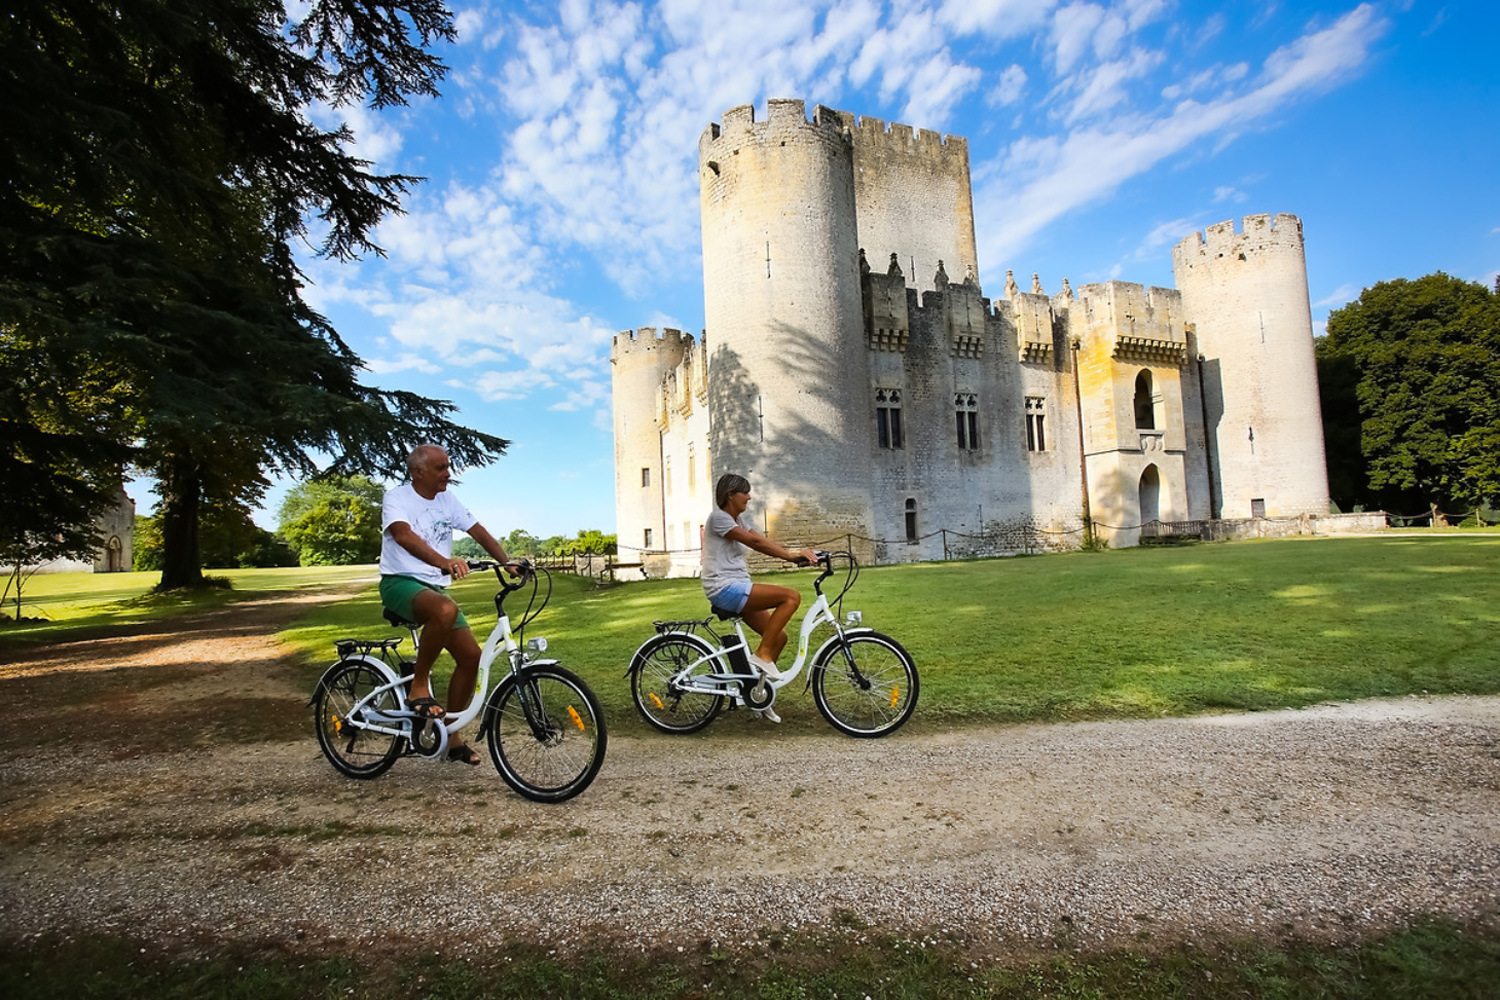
(130, 807)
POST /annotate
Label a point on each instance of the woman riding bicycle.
(726, 575)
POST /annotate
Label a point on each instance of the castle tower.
(788, 391)
(639, 360)
(1246, 294)
(913, 198)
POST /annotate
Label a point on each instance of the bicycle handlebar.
(523, 565)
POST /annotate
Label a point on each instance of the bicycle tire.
(660, 702)
(559, 756)
(358, 753)
(873, 700)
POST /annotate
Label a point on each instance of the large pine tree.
(158, 169)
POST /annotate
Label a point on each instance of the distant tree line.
(330, 521)
(1410, 380)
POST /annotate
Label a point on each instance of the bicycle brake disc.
(425, 739)
(758, 695)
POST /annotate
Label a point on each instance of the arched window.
(1145, 403)
(1150, 495)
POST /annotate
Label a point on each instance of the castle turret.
(639, 360)
(781, 284)
(1246, 294)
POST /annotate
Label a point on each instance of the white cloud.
(1010, 88)
(997, 18)
(407, 362)
(1103, 88)
(1073, 31)
(1344, 293)
(1041, 178)
(1224, 193)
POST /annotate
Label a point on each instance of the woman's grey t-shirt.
(723, 559)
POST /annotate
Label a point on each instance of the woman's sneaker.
(768, 670)
(768, 713)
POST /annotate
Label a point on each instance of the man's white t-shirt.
(433, 520)
(723, 559)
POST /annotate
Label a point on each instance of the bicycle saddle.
(723, 615)
(397, 620)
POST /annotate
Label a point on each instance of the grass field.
(1121, 634)
(59, 605)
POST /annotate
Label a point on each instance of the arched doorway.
(114, 555)
(1150, 495)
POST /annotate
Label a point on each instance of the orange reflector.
(895, 696)
(654, 699)
(577, 719)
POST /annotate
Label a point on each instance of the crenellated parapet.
(1137, 324)
(887, 321)
(875, 135)
(1032, 316)
(964, 313)
(1261, 236)
(739, 124)
(648, 344)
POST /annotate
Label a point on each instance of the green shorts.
(398, 593)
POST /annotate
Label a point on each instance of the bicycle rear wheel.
(656, 684)
(355, 751)
(546, 733)
(865, 686)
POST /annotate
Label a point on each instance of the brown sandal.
(464, 754)
(426, 708)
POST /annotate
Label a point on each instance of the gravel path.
(1324, 824)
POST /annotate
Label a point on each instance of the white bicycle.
(865, 684)
(544, 726)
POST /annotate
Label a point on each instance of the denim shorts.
(731, 597)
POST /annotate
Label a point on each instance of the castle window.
(1036, 431)
(646, 477)
(911, 520)
(888, 418)
(692, 464)
(647, 544)
(1258, 508)
(1145, 403)
(966, 414)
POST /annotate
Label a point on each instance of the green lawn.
(1120, 634)
(66, 604)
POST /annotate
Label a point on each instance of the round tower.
(639, 360)
(1246, 294)
(781, 290)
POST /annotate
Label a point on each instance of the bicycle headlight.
(853, 618)
(536, 645)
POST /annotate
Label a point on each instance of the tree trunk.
(181, 501)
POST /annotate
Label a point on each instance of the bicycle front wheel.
(338, 714)
(546, 733)
(656, 684)
(865, 686)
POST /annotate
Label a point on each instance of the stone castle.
(853, 370)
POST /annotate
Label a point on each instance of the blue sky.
(561, 202)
